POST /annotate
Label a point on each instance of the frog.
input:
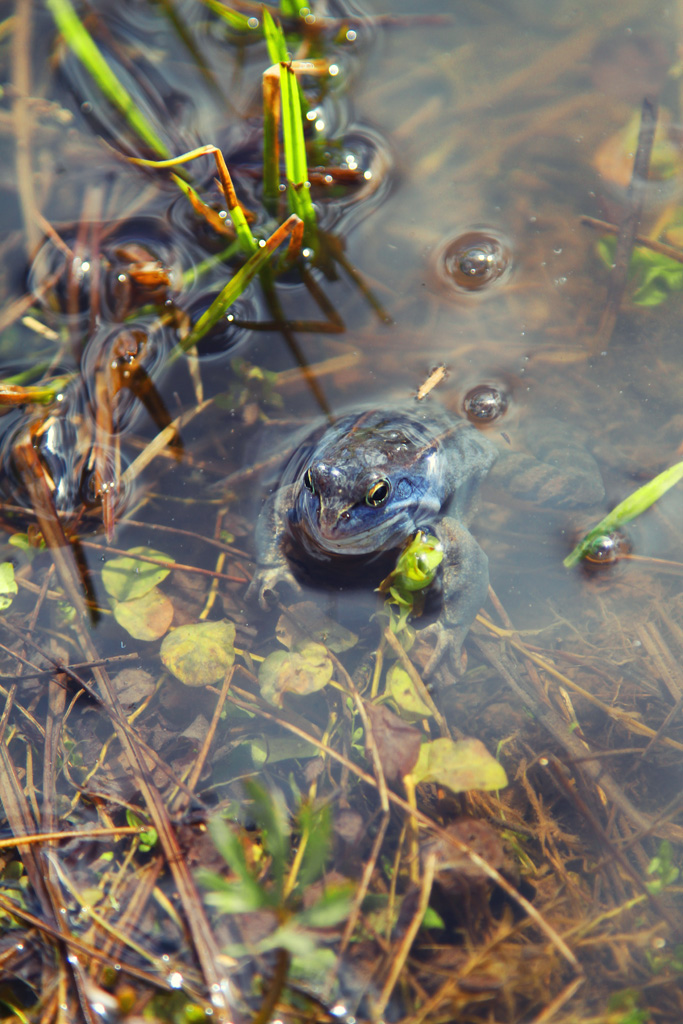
(363, 484)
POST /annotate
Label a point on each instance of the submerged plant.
(272, 874)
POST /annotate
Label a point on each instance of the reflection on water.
(522, 117)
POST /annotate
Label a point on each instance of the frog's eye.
(308, 482)
(378, 493)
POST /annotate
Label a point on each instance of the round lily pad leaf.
(147, 617)
(304, 670)
(200, 654)
(404, 692)
(127, 577)
(462, 765)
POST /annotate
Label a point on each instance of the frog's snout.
(332, 518)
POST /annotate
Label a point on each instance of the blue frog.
(363, 485)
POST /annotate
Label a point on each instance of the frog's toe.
(267, 581)
(447, 647)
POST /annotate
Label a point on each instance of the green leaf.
(302, 671)
(21, 541)
(228, 845)
(127, 577)
(147, 839)
(231, 897)
(330, 909)
(316, 827)
(432, 920)
(404, 693)
(8, 585)
(462, 765)
(236, 20)
(230, 293)
(147, 617)
(275, 39)
(271, 818)
(200, 654)
(631, 507)
(314, 969)
(81, 42)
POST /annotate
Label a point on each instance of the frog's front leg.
(465, 582)
(272, 568)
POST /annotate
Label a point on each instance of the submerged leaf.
(402, 689)
(271, 749)
(200, 654)
(127, 577)
(304, 670)
(319, 627)
(147, 617)
(8, 585)
(462, 765)
(398, 744)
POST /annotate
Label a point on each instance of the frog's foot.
(267, 580)
(447, 647)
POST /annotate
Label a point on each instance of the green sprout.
(626, 510)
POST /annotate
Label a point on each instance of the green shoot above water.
(626, 510)
(81, 42)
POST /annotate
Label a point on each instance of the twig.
(635, 198)
(648, 243)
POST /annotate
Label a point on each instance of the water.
(478, 128)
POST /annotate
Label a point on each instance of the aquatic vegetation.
(628, 509)
(223, 220)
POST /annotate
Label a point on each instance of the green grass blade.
(232, 291)
(236, 20)
(626, 510)
(289, 8)
(275, 39)
(81, 42)
(296, 165)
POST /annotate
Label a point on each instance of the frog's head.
(363, 510)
